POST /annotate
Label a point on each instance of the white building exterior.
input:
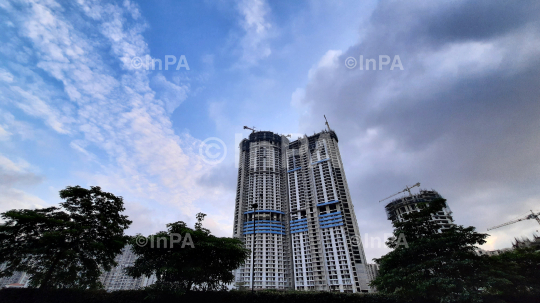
(117, 279)
(305, 219)
(372, 273)
(18, 278)
(261, 180)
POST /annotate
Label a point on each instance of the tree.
(435, 264)
(67, 246)
(206, 264)
(521, 267)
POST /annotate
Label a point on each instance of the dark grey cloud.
(479, 20)
(463, 117)
(435, 23)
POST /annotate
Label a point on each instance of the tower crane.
(327, 125)
(407, 189)
(252, 128)
(528, 217)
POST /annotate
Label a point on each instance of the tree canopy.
(437, 264)
(65, 246)
(207, 264)
(521, 267)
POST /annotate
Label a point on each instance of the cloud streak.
(257, 29)
(83, 53)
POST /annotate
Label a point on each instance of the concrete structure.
(17, 280)
(117, 279)
(15, 285)
(526, 242)
(400, 206)
(483, 252)
(519, 243)
(372, 273)
(305, 220)
(261, 179)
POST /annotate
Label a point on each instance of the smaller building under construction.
(400, 206)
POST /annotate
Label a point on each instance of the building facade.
(405, 205)
(117, 279)
(18, 278)
(305, 218)
(372, 273)
(261, 180)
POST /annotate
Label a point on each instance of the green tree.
(66, 246)
(521, 267)
(435, 264)
(186, 259)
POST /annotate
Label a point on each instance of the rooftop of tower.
(315, 137)
(257, 136)
(423, 195)
(264, 136)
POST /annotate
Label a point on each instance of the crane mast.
(528, 217)
(327, 125)
(407, 189)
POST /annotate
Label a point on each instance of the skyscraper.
(306, 235)
(404, 205)
(261, 180)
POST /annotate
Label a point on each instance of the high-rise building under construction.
(304, 227)
(410, 203)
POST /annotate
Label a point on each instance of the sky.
(441, 93)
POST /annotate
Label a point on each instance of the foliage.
(67, 246)
(142, 296)
(206, 265)
(522, 268)
(439, 265)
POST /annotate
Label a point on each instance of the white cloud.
(34, 106)
(14, 174)
(4, 134)
(330, 60)
(124, 114)
(6, 76)
(11, 126)
(255, 45)
(171, 94)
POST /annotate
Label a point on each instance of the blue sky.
(461, 117)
